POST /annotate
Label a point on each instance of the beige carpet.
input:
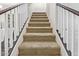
(39, 39)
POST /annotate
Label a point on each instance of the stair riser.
(39, 30)
(39, 17)
(40, 52)
(39, 20)
(39, 25)
(39, 13)
(39, 38)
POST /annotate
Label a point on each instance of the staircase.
(39, 39)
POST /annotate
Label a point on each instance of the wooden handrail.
(10, 8)
(68, 8)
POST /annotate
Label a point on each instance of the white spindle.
(11, 32)
(20, 21)
(78, 36)
(16, 30)
(6, 35)
(57, 17)
(64, 27)
(18, 11)
(14, 18)
(13, 22)
(61, 22)
(0, 41)
(69, 31)
(67, 14)
(60, 19)
(75, 42)
(72, 49)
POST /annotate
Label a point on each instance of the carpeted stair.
(39, 39)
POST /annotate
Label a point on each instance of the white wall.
(38, 7)
(51, 11)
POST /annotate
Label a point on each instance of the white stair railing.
(67, 25)
(12, 21)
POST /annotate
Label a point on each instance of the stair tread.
(39, 13)
(41, 27)
(39, 19)
(40, 22)
(25, 45)
(41, 34)
(39, 16)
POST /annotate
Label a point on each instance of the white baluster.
(64, 27)
(0, 41)
(62, 22)
(76, 19)
(72, 35)
(69, 31)
(56, 17)
(11, 31)
(16, 33)
(78, 36)
(60, 18)
(16, 22)
(6, 35)
(13, 24)
(14, 18)
(18, 16)
(67, 14)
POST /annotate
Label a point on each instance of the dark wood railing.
(9, 8)
(68, 8)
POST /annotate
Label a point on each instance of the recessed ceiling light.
(0, 6)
